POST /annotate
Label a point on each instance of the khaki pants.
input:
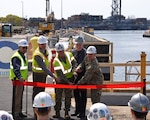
(18, 99)
(68, 95)
(96, 95)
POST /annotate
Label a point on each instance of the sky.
(36, 8)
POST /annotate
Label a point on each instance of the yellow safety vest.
(35, 66)
(23, 67)
(65, 67)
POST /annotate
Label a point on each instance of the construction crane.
(116, 8)
(47, 7)
(47, 26)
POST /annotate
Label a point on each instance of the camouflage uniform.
(92, 76)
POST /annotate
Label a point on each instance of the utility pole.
(22, 10)
(61, 14)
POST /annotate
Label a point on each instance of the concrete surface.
(117, 102)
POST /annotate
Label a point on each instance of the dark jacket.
(79, 56)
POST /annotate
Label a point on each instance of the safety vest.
(35, 66)
(23, 67)
(65, 67)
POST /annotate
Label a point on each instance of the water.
(127, 46)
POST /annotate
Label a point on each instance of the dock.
(116, 101)
(117, 104)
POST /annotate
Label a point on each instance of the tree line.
(13, 19)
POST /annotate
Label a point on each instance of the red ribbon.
(118, 85)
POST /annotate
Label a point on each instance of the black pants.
(80, 100)
(38, 77)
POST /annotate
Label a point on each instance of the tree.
(13, 19)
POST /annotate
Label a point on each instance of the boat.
(146, 33)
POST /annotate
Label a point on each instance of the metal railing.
(128, 72)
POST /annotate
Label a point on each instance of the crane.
(116, 8)
(47, 26)
(47, 7)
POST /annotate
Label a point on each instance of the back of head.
(59, 47)
(91, 50)
(23, 43)
(78, 40)
(99, 111)
(139, 103)
(5, 115)
(42, 40)
(42, 100)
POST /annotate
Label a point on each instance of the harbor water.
(127, 46)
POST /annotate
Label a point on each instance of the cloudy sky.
(36, 8)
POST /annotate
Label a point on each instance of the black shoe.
(74, 114)
(81, 115)
(22, 115)
(67, 117)
(57, 115)
(17, 117)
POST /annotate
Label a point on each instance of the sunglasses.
(24, 47)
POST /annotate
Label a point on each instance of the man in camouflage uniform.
(93, 74)
(64, 63)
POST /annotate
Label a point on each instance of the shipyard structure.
(97, 22)
(111, 23)
(116, 21)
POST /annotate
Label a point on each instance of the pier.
(119, 97)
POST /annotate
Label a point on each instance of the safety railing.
(141, 71)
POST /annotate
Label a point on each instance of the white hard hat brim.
(23, 45)
(43, 42)
(59, 50)
(90, 53)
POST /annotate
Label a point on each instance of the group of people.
(76, 67)
(139, 105)
(69, 68)
(42, 105)
(19, 71)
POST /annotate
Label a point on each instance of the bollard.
(143, 68)
(144, 88)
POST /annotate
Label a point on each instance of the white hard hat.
(139, 103)
(42, 40)
(78, 40)
(42, 100)
(91, 50)
(59, 47)
(99, 111)
(23, 43)
(5, 115)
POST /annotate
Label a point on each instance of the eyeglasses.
(24, 47)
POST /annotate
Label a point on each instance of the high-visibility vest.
(23, 67)
(65, 67)
(35, 66)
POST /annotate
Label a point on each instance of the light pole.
(61, 14)
(22, 9)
